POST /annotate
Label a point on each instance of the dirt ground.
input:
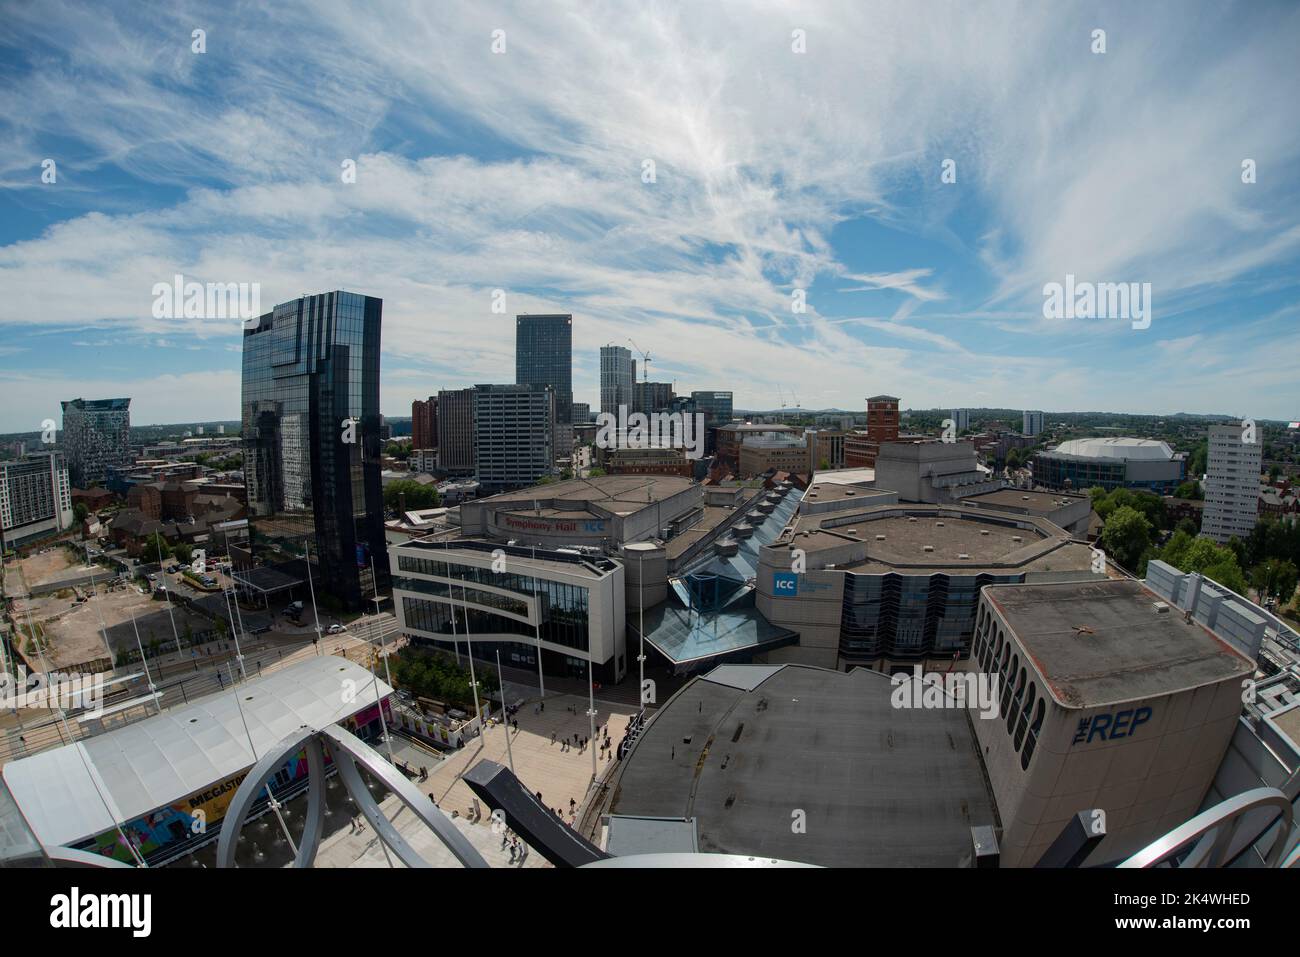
(41, 568)
(73, 631)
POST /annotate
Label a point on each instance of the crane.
(645, 360)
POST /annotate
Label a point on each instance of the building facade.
(96, 434)
(1032, 423)
(424, 423)
(544, 357)
(1111, 463)
(35, 498)
(311, 438)
(514, 430)
(456, 431)
(617, 373)
(1233, 467)
(861, 448)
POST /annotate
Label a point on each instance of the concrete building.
(35, 498)
(456, 431)
(424, 423)
(886, 586)
(582, 413)
(514, 435)
(961, 420)
(650, 397)
(762, 453)
(96, 434)
(827, 448)
(617, 373)
(1231, 483)
(1110, 699)
(1070, 512)
(927, 470)
(731, 436)
(1111, 463)
(1032, 424)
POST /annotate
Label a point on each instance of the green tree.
(1189, 490)
(79, 512)
(155, 548)
(1126, 537)
(417, 496)
(1276, 579)
(183, 553)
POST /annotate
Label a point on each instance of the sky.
(799, 153)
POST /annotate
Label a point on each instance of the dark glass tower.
(311, 440)
(544, 356)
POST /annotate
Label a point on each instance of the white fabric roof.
(162, 759)
(1150, 450)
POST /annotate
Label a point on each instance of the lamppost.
(502, 682)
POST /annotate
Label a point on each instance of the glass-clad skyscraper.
(96, 434)
(544, 356)
(311, 424)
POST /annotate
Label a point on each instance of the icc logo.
(785, 584)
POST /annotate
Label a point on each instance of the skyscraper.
(514, 428)
(1231, 483)
(617, 373)
(311, 438)
(456, 431)
(424, 423)
(1032, 424)
(717, 409)
(544, 356)
(96, 434)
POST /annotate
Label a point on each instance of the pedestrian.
(552, 737)
(543, 706)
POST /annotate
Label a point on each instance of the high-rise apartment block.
(514, 427)
(35, 498)
(1032, 424)
(96, 434)
(456, 431)
(617, 373)
(424, 423)
(1232, 473)
(311, 429)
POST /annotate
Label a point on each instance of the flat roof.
(877, 786)
(823, 491)
(985, 536)
(619, 494)
(1039, 503)
(162, 759)
(1103, 642)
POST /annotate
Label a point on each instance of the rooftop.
(878, 785)
(619, 494)
(1104, 642)
(1037, 503)
(1149, 450)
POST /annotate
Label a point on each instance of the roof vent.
(963, 555)
(1161, 607)
(1024, 498)
(938, 524)
(1016, 538)
(880, 538)
(984, 531)
(927, 548)
(911, 518)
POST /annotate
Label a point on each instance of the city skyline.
(773, 172)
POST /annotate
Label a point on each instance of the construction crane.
(645, 361)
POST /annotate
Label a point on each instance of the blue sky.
(775, 171)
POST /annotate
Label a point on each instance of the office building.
(717, 409)
(544, 357)
(582, 413)
(1032, 424)
(1233, 468)
(961, 420)
(1111, 463)
(424, 423)
(456, 431)
(35, 498)
(514, 435)
(651, 397)
(617, 373)
(96, 434)
(311, 439)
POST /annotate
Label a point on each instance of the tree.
(183, 553)
(155, 548)
(79, 512)
(1126, 537)
(1276, 579)
(1217, 562)
(417, 496)
(1189, 490)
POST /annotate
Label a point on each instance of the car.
(337, 629)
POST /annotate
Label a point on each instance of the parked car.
(336, 629)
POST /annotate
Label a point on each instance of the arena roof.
(1146, 450)
(162, 759)
(874, 784)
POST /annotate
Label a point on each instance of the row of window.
(1019, 694)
